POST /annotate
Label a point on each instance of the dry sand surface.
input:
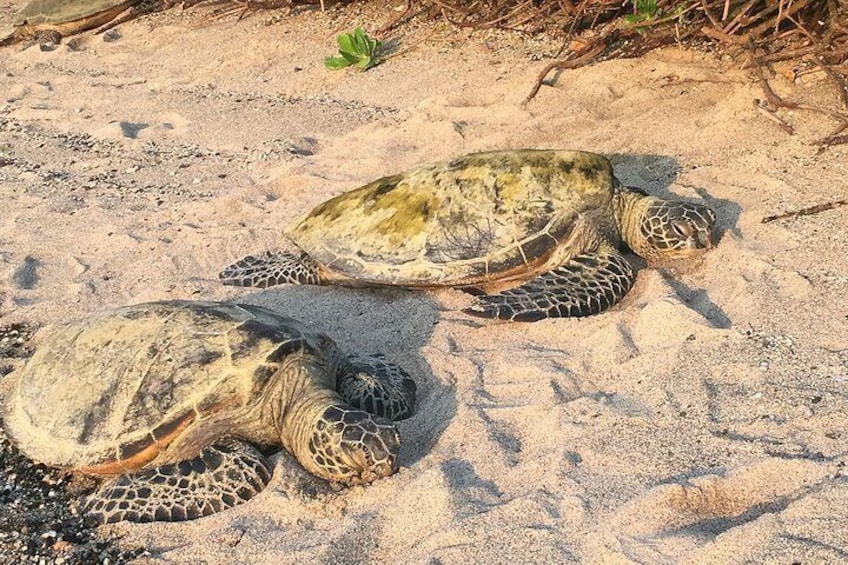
(703, 420)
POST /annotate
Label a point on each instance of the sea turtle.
(536, 232)
(60, 18)
(168, 400)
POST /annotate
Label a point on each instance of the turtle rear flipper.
(587, 284)
(270, 269)
(222, 476)
(377, 386)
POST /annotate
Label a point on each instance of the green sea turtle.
(537, 233)
(61, 18)
(168, 400)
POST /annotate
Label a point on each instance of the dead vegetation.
(813, 34)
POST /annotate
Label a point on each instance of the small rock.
(111, 36)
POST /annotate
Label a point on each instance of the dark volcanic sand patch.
(39, 520)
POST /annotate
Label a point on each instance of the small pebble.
(111, 36)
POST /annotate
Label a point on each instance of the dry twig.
(774, 117)
(588, 54)
(817, 209)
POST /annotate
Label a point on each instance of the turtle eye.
(682, 229)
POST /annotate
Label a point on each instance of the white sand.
(702, 420)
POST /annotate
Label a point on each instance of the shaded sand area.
(702, 420)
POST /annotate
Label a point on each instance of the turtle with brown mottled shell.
(536, 233)
(168, 401)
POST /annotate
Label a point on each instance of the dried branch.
(817, 209)
(590, 53)
(774, 117)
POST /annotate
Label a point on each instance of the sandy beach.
(702, 420)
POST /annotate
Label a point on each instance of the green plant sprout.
(648, 13)
(645, 11)
(356, 49)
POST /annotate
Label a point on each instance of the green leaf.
(357, 49)
(346, 43)
(361, 41)
(336, 63)
(352, 58)
(646, 8)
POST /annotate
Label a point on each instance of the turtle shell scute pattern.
(109, 387)
(468, 220)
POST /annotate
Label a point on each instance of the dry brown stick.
(771, 96)
(763, 27)
(746, 20)
(719, 35)
(445, 16)
(709, 13)
(583, 59)
(237, 7)
(774, 117)
(580, 9)
(780, 15)
(839, 116)
(247, 7)
(731, 27)
(502, 17)
(568, 8)
(785, 55)
(574, 21)
(595, 19)
(800, 27)
(833, 139)
(516, 27)
(817, 209)
(777, 102)
(454, 9)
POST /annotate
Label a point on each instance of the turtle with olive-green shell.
(535, 233)
(168, 402)
(55, 19)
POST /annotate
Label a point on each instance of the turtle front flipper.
(270, 269)
(222, 476)
(377, 386)
(587, 284)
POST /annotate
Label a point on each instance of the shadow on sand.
(655, 174)
(395, 322)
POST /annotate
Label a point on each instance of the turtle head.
(352, 447)
(665, 229)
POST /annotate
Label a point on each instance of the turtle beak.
(706, 240)
(706, 233)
